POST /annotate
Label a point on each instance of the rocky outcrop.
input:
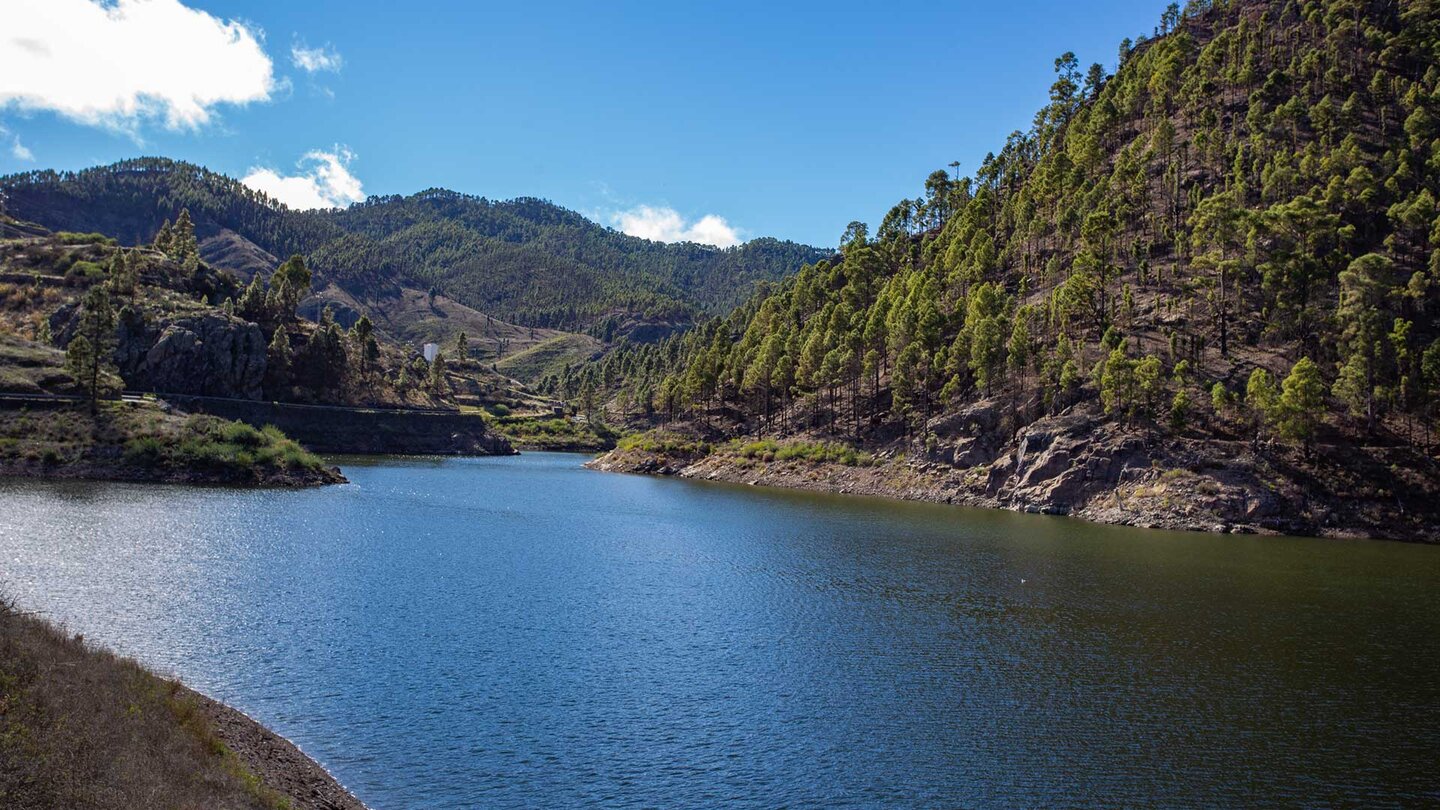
(207, 355)
(1082, 464)
(1061, 462)
(967, 438)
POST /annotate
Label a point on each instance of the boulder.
(208, 355)
(980, 420)
(968, 438)
(1061, 461)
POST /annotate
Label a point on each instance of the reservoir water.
(522, 632)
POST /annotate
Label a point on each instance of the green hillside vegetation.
(545, 432)
(140, 441)
(1234, 236)
(550, 358)
(525, 260)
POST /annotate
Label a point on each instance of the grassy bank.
(130, 441)
(83, 728)
(552, 433)
(679, 445)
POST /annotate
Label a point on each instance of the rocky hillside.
(1201, 290)
(525, 260)
(174, 324)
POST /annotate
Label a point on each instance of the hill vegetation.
(524, 260)
(1224, 256)
(159, 318)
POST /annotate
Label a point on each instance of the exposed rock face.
(636, 331)
(1060, 462)
(1083, 464)
(227, 250)
(207, 355)
(968, 438)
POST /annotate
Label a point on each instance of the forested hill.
(1226, 253)
(524, 260)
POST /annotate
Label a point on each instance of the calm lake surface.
(521, 632)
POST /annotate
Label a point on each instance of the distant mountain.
(524, 260)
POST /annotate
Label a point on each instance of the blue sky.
(670, 120)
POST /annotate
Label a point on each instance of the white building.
(431, 351)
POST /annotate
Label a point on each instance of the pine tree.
(163, 238)
(277, 361)
(1302, 402)
(362, 334)
(183, 247)
(1262, 398)
(88, 358)
(290, 282)
(252, 305)
(123, 276)
(438, 383)
(1363, 313)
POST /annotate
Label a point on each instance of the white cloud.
(666, 225)
(17, 149)
(316, 60)
(324, 181)
(116, 64)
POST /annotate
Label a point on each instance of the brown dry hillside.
(83, 729)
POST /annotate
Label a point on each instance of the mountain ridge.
(526, 260)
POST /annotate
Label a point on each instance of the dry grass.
(83, 728)
(29, 367)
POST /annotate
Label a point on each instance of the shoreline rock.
(1104, 479)
(278, 762)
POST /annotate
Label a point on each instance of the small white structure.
(431, 351)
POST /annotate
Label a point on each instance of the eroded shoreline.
(1144, 497)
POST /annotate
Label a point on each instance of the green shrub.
(75, 238)
(815, 452)
(553, 432)
(664, 443)
(85, 269)
(144, 450)
(242, 434)
(219, 444)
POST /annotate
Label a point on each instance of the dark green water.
(524, 633)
